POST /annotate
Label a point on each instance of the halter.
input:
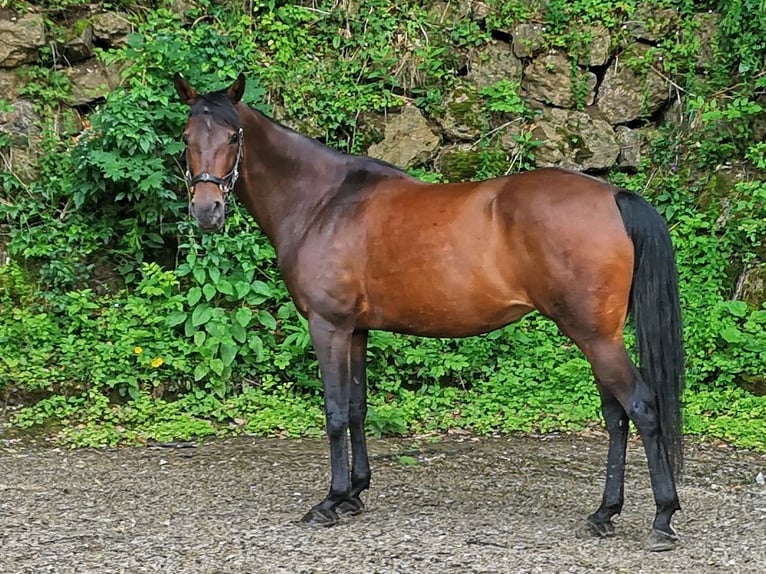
(225, 183)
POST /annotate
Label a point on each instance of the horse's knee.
(337, 425)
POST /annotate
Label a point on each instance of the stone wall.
(23, 38)
(591, 113)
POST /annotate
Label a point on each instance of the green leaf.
(199, 338)
(225, 287)
(737, 308)
(193, 296)
(228, 353)
(267, 319)
(256, 345)
(238, 332)
(261, 288)
(209, 291)
(215, 275)
(201, 314)
(134, 392)
(243, 316)
(217, 366)
(242, 288)
(176, 318)
(199, 274)
(731, 334)
(200, 371)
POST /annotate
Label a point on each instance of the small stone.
(494, 62)
(528, 40)
(759, 479)
(631, 89)
(463, 117)
(548, 79)
(20, 39)
(111, 28)
(408, 139)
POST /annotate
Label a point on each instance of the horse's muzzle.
(210, 215)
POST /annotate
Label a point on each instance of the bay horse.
(362, 245)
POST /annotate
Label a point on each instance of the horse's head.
(213, 138)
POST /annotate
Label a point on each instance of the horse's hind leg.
(600, 522)
(617, 376)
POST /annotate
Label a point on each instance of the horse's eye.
(234, 138)
(185, 139)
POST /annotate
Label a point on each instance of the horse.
(361, 245)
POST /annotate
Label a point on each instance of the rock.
(80, 47)
(408, 140)
(600, 45)
(453, 11)
(9, 84)
(463, 117)
(652, 24)
(459, 162)
(20, 39)
(752, 288)
(630, 147)
(181, 7)
(111, 28)
(308, 126)
(706, 27)
(508, 137)
(528, 40)
(630, 89)
(519, 156)
(21, 125)
(548, 79)
(574, 140)
(673, 113)
(91, 80)
(494, 62)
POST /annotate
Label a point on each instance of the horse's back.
(464, 258)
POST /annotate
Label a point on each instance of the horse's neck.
(285, 177)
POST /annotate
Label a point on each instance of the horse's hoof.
(349, 506)
(319, 516)
(600, 529)
(660, 541)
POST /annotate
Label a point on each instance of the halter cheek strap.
(225, 183)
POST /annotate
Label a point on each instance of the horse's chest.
(324, 279)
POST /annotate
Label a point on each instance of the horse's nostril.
(217, 207)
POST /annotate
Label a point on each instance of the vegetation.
(121, 323)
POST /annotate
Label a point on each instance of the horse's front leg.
(360, 469)
(333, 347)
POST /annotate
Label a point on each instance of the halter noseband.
(225, 183)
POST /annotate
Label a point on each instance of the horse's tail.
(656, 310)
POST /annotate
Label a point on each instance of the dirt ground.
(453, 504)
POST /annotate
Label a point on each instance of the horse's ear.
(237, 89)
(185, 91)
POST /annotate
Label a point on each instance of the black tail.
(656, 310)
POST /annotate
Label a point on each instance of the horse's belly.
(442, 317)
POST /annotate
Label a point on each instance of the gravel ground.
(456, 504)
